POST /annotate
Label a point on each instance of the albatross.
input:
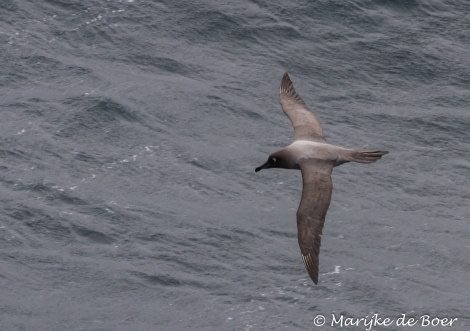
(315, 158)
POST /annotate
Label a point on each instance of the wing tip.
(286, 83)
(312, 267)
(287, 90)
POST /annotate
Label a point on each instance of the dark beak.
(265, 165)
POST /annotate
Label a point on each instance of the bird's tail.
(362, 155)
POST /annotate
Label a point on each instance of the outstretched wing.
(316, 196)
(306, 124)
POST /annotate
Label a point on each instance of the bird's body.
(315, 158)
(304, 150)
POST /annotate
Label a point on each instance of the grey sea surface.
(130, 131)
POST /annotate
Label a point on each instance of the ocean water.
(130, 131)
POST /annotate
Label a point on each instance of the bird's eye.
(273, 159)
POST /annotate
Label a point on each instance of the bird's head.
(279, 159)
(270, 163)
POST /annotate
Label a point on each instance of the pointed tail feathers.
(366, 155)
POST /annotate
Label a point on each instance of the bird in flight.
(315, 158)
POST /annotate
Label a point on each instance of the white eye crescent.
(274, 159)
